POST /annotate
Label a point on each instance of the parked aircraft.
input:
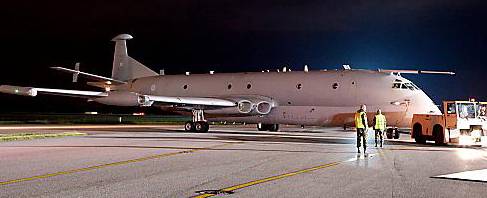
(318, 98)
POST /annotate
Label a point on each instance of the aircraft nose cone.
(422, 104)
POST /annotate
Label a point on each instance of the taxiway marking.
(2, 183)
(231, 189)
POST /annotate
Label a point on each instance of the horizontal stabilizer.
(416, 71)
(88, 75)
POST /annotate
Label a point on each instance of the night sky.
(237, 36)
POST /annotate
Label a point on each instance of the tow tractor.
(462, 123)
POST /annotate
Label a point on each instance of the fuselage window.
(249, 86)
(229, 86)
(185, 87)
(335, 85)
(299, 86)
(403, 86)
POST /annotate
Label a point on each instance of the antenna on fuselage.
(398, 72)
(306, 68)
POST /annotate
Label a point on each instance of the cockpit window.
(407, 85)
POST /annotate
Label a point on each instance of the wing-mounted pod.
(124, 98)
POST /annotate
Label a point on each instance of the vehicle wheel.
(439, 135)
(396, 134)
(261, 127)
(417, 130)
(419, 139)
(189, 126)
(273, 127)
(389, 133)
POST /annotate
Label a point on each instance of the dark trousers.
(379, 136)
(361, 137)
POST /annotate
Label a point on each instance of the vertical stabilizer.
(124, 67)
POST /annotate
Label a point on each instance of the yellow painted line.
(244, 185)
(109, 165)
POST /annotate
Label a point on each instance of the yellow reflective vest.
(380, 122)
(359, 123)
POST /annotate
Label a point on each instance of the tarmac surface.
(232, 161)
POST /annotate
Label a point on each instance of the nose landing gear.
(199, 124)
(392, 133)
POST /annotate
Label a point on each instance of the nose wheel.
(199, 124)
(392, 133)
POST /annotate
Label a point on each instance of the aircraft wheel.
(201, 127)
(389, 133)
(189, 126)
(273, 127)
(396, 134)
(261, 127)
(207, 126)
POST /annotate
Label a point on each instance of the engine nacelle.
(124, 98)
(246, 106)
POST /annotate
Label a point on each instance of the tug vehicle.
(462, 123)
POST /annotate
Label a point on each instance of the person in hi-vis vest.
(379, 124)
(361, 125)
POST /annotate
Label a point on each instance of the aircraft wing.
(33, 91)
(118, 97)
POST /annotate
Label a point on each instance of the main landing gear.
(267, 127)
(199, 124)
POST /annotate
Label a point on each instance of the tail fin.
(125, 67)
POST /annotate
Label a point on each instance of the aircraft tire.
(189, 126)
(201, 127)
(396, 134)
(273, 127)
(389, 133)
(261, 127)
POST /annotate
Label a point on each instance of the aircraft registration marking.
(90, 168)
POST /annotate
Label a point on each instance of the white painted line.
(475, 175)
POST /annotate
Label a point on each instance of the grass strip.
(31, 136)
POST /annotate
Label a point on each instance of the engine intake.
(245, 106)
(263, 107)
